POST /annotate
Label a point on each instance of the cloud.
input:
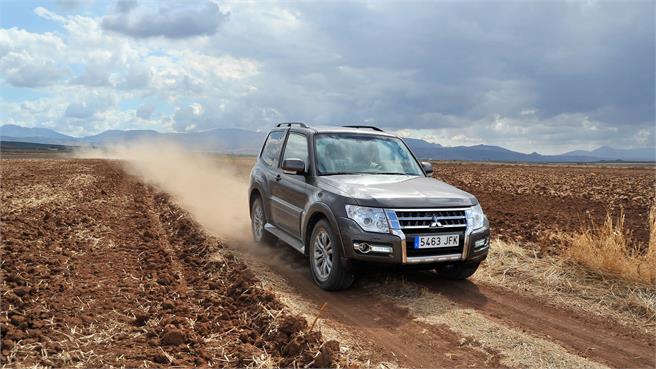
(456, 73)
(170, 21)
(95, 74)
(125, 6)
(145, 111)
(28, 59)
(89, 106)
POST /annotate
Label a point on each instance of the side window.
(296, 148)
(272, 148)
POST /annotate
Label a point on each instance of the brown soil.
(392, 334)
(99, 269)
(388, 332)
(530, 202)
(602, 340)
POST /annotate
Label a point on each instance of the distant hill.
(427, 150)
(224, 140)
(114, 136)
(18, 131)
(609, 153)
(12, 132)
(240, 141)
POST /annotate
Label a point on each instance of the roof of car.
(340, 129)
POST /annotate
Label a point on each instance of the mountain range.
(240, 141)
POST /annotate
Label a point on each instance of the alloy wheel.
(323, 255)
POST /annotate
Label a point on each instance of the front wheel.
(325, 264)
(457, 271)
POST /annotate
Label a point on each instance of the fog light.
(480, 243)
(366, 248)
(381, 249)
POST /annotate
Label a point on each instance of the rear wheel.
(457, 271)
(258, 220)
(325, 264)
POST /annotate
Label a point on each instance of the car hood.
(396, 191)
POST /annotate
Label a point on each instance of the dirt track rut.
(376, 315)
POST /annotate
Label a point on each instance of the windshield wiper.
(390, 173)
(340, 173)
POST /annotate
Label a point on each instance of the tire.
(325, 259)
(457, 271)
(258, 220)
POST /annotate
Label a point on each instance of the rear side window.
(296, 148)
(271, 150)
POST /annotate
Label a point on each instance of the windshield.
(341, 153)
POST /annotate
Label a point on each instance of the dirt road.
(385, 313)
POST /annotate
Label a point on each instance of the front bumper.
(474, 248)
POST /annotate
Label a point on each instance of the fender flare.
(256, 190)
(319, 209)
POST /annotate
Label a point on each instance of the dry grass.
(566, 283)
(606, 250)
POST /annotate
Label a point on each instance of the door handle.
(278, 177)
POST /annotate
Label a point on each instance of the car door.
(269, 158)
(289, 190)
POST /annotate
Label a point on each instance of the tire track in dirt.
(394, 334)
(587, 336)
(389, 332)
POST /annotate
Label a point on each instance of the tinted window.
(296, 148)
(271, 148)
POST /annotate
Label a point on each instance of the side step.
(285, 237)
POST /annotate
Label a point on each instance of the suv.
(346, 196)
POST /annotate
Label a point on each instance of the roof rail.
(289, 124)
(368, 127)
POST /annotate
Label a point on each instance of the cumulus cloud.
(89, 106)
(28, 59)
(170, 21)
(95, 74)
(138, 76)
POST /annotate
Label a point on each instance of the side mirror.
(295, 166)
(428, 167)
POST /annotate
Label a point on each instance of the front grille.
(421, 220)
(417, 222)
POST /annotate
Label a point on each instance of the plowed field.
(530, 202)
(99, 269)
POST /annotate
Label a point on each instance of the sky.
(548, 76)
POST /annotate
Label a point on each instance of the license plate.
(442, 240)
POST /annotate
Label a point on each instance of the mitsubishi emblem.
(435, 223)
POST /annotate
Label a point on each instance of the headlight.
(370, 219)
(475, 217)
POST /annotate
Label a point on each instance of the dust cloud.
(212, 188)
